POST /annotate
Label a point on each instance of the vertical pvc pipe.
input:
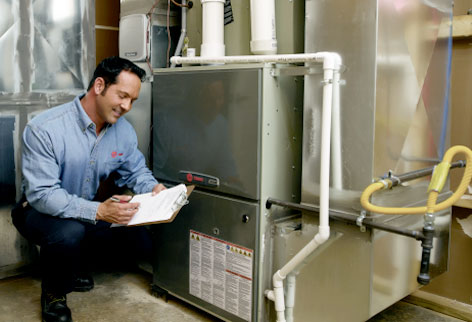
(325, 148)
(212, 28)
(336, 159)
(331, 65)
(263, 35)
(290, 297)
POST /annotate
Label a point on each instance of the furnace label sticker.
(221, 274)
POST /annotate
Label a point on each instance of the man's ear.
(99, 85)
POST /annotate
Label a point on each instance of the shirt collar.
(83, 119)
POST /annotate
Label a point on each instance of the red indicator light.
(189, 177)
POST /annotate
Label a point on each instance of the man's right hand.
(117, 212)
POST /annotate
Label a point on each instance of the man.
(67, 151)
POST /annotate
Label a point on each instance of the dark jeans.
(70, 246)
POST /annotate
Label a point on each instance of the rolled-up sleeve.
(42, 184)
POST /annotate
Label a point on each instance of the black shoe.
(54, 308)
(82, 283)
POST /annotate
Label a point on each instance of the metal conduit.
(347, 218)
(397, 179)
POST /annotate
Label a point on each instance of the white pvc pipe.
(325, 150)
(183, 31)
(323, 232)
(290, 302)
(263, 35)
(331, 64)
(336, 160)
(212, 28)
(284, 59)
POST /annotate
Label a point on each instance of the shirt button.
(88, 180)
(92, 162)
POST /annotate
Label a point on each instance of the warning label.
(221, 274)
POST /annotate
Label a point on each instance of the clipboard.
(180, 200)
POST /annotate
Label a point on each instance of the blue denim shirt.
(63, 161)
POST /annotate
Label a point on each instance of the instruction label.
(221, 274)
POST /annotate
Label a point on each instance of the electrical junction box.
(134, 37)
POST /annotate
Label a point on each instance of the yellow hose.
(437, 182)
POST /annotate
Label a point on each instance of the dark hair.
(111, 67)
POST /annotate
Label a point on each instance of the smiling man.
(67, 151)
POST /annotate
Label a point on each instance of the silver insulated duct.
(47, 57)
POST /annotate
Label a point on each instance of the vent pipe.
(212, 28)
(263, 36)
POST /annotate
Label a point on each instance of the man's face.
(117, 99)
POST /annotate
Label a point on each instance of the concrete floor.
(122, 297)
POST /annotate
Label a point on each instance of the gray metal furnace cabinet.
(234, 132)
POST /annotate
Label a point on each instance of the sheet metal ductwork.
(392, 120)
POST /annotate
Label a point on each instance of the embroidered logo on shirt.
(114, 154)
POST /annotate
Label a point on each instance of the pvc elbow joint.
(337, 61)
(332, 61)
(323, 235)
(278, 279)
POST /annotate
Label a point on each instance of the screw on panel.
(216, 231)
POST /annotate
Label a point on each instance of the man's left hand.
(158, 188)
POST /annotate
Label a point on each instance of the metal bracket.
(395, 180)
(327, 81)
(359, 221)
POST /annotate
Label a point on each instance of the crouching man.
(67, 151)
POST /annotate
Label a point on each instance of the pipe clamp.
(359, 221)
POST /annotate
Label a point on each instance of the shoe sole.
(82, 289)
(43, 320)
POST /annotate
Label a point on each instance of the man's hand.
(158, 188)
(118, 212)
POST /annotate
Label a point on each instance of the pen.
(118, 200)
